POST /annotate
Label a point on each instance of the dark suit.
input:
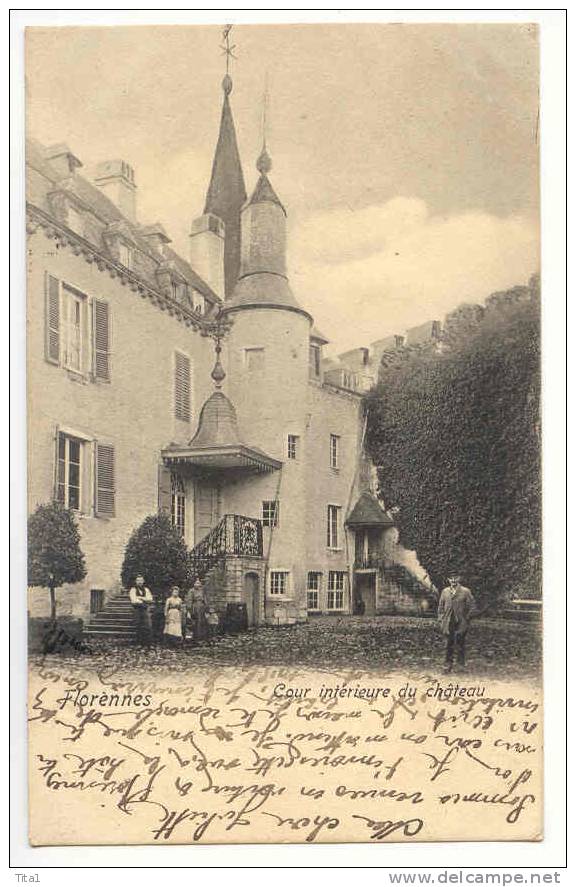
(455, 609)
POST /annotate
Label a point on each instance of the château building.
(259, 459)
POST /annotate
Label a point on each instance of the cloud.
(368, 273)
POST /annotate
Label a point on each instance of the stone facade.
(119, 369)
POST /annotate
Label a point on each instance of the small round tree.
(54, 554)
(158, 552)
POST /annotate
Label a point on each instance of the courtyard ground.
(496, 648)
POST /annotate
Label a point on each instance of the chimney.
(116, 179)
(62, 160)
(207, 251)
(156, 236)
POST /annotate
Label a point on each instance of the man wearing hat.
(455, 609)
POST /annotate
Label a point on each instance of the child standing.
(213, 621)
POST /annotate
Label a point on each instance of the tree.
(157, 551)
(54, 554)
(455, 433)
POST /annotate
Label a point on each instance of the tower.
(215, 236)
(268, 346)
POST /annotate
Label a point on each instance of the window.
(334, 450)
(182, 386)
(198, 302)
(254, 359)
(75, 220)
(178, 503)
(279, 582)
(69, 471)
(314, 591)
(126, 255)
(333, 526)
(73, 329)
(270, 513)
(336, 590)
(67, 330)
(293, 442)
(315, 361)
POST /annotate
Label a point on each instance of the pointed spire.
(227, 192)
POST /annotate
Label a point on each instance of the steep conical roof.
(264, 191)
(227, 193)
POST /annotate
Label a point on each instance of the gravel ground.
(496, 648)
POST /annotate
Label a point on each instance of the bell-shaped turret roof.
(218, 423)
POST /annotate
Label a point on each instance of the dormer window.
(75, 220)
(198, 302)
(126, 255)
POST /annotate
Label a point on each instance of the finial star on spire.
(228, 51)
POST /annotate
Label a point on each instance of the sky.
(406, 155)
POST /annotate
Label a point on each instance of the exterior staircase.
(114, 621)
(234, 535)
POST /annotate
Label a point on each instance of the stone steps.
(115, 620)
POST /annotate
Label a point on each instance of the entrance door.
(252, 597)
(206, 509)
(365, 592)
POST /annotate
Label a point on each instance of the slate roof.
(265, 192)
(227, 192)
(368, 512)
(264, 288)
(105, 213)
(217, 443)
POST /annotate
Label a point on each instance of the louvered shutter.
(52, 319)
(164, 490)
(101, 340)
(105, 505)
(182, 387)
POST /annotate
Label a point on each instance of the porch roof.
(368, 512)
(220, 458)
(217, 444)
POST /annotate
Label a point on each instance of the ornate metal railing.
(234, 535)
(368, 562)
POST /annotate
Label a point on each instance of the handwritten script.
(264, 754)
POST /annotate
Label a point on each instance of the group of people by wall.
(183, 616)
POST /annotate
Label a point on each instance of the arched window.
(178, 503)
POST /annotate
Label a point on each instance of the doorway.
(365, 594)
(252, 597)
(206, 508)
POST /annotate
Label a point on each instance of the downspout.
(349, 503)
(269, 549)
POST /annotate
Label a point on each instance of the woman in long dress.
(198, 613)
(173, 612)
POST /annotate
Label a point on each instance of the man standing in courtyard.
(142, 600)
(455, 609)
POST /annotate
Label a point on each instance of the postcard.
(283, 368)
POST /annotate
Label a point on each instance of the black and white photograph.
(284, 433)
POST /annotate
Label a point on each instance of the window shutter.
(56, 454)
(105, 481)
(52, 319)
(182, 387)
(101, 340)
(164, 490)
